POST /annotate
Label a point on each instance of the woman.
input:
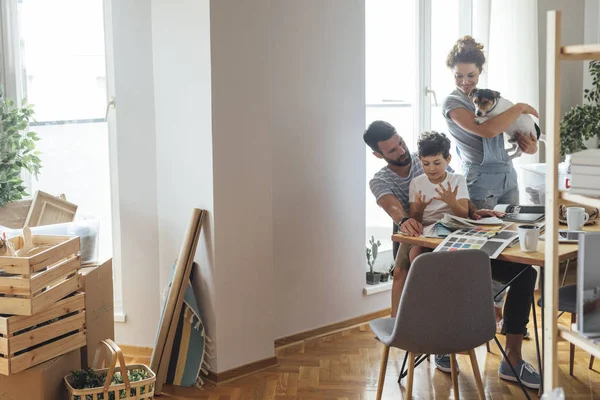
(491, 177)
(487, 168)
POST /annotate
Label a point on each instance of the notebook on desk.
(521, 213)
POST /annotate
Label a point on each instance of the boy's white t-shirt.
(436, 210)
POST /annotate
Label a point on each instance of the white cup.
(528, 237)
(576, 217)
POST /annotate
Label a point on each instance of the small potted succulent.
(373, 278)
(384, 276)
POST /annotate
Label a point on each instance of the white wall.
(134, 182)
(571, 73)
(181, 60)
(242, 162)
(318, 117)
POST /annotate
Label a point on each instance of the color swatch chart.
(455, 243)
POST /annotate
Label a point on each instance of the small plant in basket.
(108, 383)
(373, 278)
(90, 379)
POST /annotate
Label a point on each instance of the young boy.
(437, 191)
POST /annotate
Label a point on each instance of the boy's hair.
(378, 131)
(433, 143)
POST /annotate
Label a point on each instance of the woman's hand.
(478, 214)
(527, 109)
(527, 143)
(447, 195)
(421, 202)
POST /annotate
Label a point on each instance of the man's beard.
(402, 162)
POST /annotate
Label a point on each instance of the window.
(390, 89)
(56, 52)
(406, 77)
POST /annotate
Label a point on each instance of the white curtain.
(509, 31)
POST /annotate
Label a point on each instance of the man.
(390, 187)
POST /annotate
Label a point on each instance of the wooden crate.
(26, 341)
(38, 281)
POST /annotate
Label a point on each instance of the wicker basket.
(126, 390)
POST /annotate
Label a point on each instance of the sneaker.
(442, 362)
(528, 374)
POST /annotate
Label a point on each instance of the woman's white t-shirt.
(436, 210)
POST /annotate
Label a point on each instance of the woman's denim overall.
(494, 181)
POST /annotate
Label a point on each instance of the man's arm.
(395, 210)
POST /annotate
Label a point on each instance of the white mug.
(528, 237)
(576, 217)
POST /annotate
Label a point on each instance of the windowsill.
(379, 288)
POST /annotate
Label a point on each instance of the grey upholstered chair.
(428, 323)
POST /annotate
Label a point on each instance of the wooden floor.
(345, 366)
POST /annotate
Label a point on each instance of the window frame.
(11, 78)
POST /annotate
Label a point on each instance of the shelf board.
(578, 340)
(581, 52)
(580, 199)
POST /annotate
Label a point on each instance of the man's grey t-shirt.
(470, 146)
(386, 181)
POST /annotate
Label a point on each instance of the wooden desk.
(514, 254)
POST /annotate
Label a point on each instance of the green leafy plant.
(17, 148)
(372, 252)
(582, 122)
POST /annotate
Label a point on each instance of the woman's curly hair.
(468, 51)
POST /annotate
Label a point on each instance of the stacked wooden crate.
(42, 314)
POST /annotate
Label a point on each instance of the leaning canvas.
(588, 285)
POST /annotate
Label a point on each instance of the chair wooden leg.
(477, 374)
(591, 362)
(382, 369)
(572, 348)
(487, 346)
(411, 375)
(454, 372)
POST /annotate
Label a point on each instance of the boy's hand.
(446, 194)
(421, 202)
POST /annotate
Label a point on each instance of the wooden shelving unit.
(555, 53)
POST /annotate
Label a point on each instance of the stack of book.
(585, 173)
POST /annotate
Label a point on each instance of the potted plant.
(384, 276)
(17, 148)
(371, 252)
(583, 121)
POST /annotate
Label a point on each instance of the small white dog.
(488, 104)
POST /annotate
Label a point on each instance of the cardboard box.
(99, 308)
(42, 382)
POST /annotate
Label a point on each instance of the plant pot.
(373, 278)
(384, 277)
